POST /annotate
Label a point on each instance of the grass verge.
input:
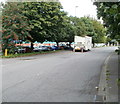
(28, 54)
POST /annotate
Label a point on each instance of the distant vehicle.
(41, 48)
(100, 44)
(49, 48)
(37, 49)
(82, 43)
(54, 48)
(63, 46)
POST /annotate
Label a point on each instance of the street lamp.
(75, 10)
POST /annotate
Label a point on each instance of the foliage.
(110, 13)
(88, 26)
(84, 26)
(79, 26)
(94, 29)
(41, 21)
(99, 32)
(14, 24)
(46, 19)
(69, 30)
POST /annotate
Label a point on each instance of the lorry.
(82, 43)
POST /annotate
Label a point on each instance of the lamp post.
(75, 10)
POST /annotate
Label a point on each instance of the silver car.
(40, 48)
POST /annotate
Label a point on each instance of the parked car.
(37, 49)
(55, 48)
(51, 48)
(41, 48)
(16, 50)
(63, 46)
(19, 50)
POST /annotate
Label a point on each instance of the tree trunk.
(57, 44)
(93, 44)
(70, 44)
(32, 45)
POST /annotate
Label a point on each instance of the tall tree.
(69, 30)
(110, 13)
(89, 29)
(79, 26)
(94, 29)
(46, 19)
(99, 32)
(14, 24)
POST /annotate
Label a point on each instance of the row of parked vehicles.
(39, 48)
(45, 48)
(80, 44)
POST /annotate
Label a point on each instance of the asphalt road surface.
(64, 76)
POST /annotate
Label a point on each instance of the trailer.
(82, 43)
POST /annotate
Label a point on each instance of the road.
(58, 77)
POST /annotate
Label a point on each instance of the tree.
(46, 19)
(69, 30)
(109, 12)
(14, 24)
(79, 26)
(85, 26)
(73, 26)
(100, 32)
(94, 29)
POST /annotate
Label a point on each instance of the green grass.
(28, 54)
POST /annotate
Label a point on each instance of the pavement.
(108, 88)
(60, 77)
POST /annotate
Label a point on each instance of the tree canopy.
(110, 13)
(46, 19)
(41, 21)
(14, 24)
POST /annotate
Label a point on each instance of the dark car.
(16, 50)
(64, 47)
(19, 50)
(55, 48)
(51, 48)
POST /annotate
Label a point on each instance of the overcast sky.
(79, 8)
